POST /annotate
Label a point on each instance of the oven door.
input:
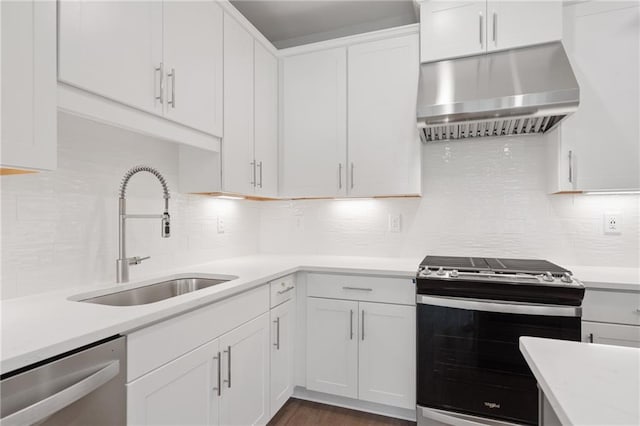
(468, 356)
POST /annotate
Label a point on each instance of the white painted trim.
(84, 104)
(354, 404)
(351, 40)
(247, 25)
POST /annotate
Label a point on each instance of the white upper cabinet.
(452, 29)
(598, 146)
(238, 171)
(384, 146)
(314, 150)
(193, 64)
(29, 98)
(113, 49)
(164, 58)
(265, 121)
(512, 24)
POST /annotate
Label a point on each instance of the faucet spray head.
(166, 225)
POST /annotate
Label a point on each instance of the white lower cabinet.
(282, 361)
(178, 393)
(611, 334)
(386, 362)
(245, 374)
(362, 350)
(332, 346)
(611, 317)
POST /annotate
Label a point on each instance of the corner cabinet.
(358, 346)
(452, 29)
(597, 148)
(29, 97)
(349, 120)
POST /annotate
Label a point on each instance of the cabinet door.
(193, 64)
(315, 124)
(603, 44)
(245, 374)
(384, 146)
(332, 346)
(512, 24)
(113, 49)
(266, 121)
(450, 29)
(181, 392)
(387, 373)
(282, 340)
(238, 168)
(29, 97)
(611, 334)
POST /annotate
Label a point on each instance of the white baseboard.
(354, 404)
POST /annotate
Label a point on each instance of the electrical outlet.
(612, 223)
(395, 222)
(220, 225)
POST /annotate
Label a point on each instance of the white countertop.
(38, 327)
(586, 383)
(607, 278)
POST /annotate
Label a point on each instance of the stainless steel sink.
(154, 292)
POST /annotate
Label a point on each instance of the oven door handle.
(452, 419)
(56, 402)
(501, 307)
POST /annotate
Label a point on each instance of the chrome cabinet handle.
(219, 388)
(228, 380)
(339, 175)
(277, 343)
(351, 175)
(363, 324)
(260, 167)
(253, 168)
(480, 25)
(350, 324)
(286, 290)
(570, 166)
(160, 69)
(590, 337)
(357, 288)
(172, 75)
(52, 404)
(495, 28)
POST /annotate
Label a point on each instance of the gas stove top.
(523, 280)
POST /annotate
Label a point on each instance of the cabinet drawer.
(611, 334)
(366, 288)
(282, 289)
(621, 307)
(151, 347)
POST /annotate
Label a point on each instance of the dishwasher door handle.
(56, 402)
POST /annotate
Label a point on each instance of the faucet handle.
(136, 260)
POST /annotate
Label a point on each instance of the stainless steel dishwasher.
(82, 387)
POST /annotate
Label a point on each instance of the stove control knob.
(424, 272)
(440, 271)
(454, 273)
(566, 278)
(548, 277)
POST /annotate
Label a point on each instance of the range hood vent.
(515, 92)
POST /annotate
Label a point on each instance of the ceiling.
(288, 23)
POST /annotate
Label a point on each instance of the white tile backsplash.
(481, 197)
(59, 229)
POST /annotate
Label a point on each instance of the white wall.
(59, 229)
(480, 197)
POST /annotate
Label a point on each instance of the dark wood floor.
(297, 412)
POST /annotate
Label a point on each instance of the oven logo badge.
(492, 405)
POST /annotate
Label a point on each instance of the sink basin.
(154, 292)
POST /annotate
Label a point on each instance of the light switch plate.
(220, 225)
(395, 222)
(612, 223)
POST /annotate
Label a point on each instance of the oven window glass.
(469, 361)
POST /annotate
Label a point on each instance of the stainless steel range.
(471, 312)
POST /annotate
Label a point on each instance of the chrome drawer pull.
(357, 288)
(286, 290)
(228, 381)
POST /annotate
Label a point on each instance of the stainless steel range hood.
(514, 92)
